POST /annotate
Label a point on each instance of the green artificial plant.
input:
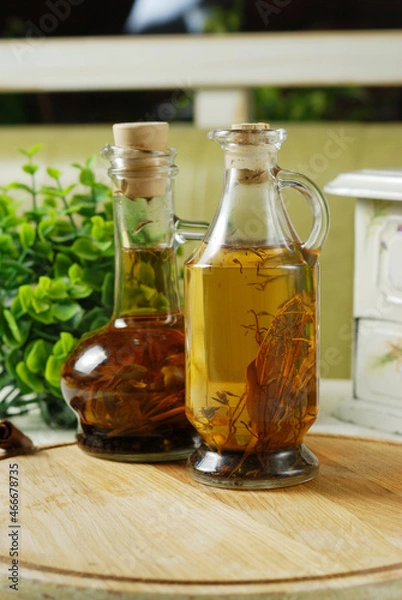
(56, 282)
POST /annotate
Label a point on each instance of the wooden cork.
(143, 136)
(149, 136)
(252, 126)
(251, 164)
(244, 129)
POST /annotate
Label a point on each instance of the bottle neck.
(251, 212)
(251, 158)
(146, 283)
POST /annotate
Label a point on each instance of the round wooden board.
(97, 530)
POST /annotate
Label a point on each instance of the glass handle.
(189, 230)
(318, 204)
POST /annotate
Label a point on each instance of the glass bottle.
(126, 380)
(251, 305)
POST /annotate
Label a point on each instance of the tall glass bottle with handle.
(251, 307)
(126, 380)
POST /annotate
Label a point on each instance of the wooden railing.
(219, 68)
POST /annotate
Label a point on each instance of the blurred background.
(35, 19)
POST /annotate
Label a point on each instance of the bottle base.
(137, 450)
(237, 470)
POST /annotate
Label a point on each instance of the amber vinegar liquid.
(251, 347)
(126, 380)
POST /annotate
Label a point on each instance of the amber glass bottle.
(251, 305)
(126, 380)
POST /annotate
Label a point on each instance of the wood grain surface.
(98, 530)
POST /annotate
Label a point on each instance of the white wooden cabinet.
(377, 310)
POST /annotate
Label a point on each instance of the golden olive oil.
(251, 347)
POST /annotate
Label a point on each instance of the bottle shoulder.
(233, 256)
(125, 340)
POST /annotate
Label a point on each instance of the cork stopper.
(251, 126)
(245, 129)
(249, 163)
(143, 136)
(146, 136)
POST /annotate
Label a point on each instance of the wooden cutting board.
(97, 530)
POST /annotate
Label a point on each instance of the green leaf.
(50, 190)
(68, 342)
(64, 345)
(13, 326)
(91, 161)
(40, 306)
(3, 323)
(78, 287)
(15, 185)
(50, 289)
(14, 271)
(53, 173)
(75, 273)
(44, 250)
(12, 360)
(6, 206)
(50, 202)
(105, 248)
(11, 221)
(95, 318)
(30, 380)
(144, 273)
(65, 312)
(30, 169)
(159, 301)
(81, 204)
(56, 230)
(108, 208)
(26, 296)
(85, 249)
(62, 264)
(98, 227)
(43, 287)
(102, 231)
(57, 290)
(45, 227)
(87, 177)
(37, 356)
(27, 235)
(16, 308)
(94, 277)
(78, 291)
(46, 317)
(102, 192)
(68, 189)
(31, 151)
(147, 291)
(6, 242)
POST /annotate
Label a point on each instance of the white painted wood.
(378, 239)
(368, 414)
(214, 108)
(198, 62)
(377, 368)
